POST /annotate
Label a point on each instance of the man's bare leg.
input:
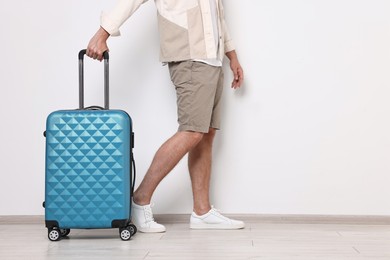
(199, 164)
(165, 159)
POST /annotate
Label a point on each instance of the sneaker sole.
(148, 230)
(216, 226)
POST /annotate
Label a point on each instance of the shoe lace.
(148, 214)
(216, 210)
(218, 213)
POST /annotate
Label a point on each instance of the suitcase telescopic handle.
(81, 79)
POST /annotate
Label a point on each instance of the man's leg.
(166, 158)
(199, 165)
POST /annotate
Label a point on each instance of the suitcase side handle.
(81, 79)
(134, 171)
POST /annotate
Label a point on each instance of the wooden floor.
(265, 237)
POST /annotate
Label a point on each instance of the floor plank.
(271, 237)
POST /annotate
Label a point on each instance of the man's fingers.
(235, 72)
(98, 55)
(238, 78)
(95, 54)
(235, 84)
(89, 52)
(241, 76)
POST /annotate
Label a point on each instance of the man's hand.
(98, 44)
(236, 68)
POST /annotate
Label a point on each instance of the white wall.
(307, 134)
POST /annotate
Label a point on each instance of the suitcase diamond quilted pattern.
(85, 169)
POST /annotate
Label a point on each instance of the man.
(193, 40)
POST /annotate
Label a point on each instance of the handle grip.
(84, 52)
(81, 79)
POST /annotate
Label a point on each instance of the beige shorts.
(199, 90)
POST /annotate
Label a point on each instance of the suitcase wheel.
(64, 232)
(54, 234)
(133, 229)
(125, 233)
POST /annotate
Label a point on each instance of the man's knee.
(194, 137)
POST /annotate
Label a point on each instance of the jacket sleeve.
(228, 41)
(112, 20)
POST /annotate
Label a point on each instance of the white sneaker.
(142, 217)
(214, 220)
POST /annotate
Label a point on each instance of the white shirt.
(216, 62)
(186, 27)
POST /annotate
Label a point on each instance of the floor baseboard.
(250, 218)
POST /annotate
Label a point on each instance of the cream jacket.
(185, 27)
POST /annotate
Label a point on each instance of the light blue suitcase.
(89, 161)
